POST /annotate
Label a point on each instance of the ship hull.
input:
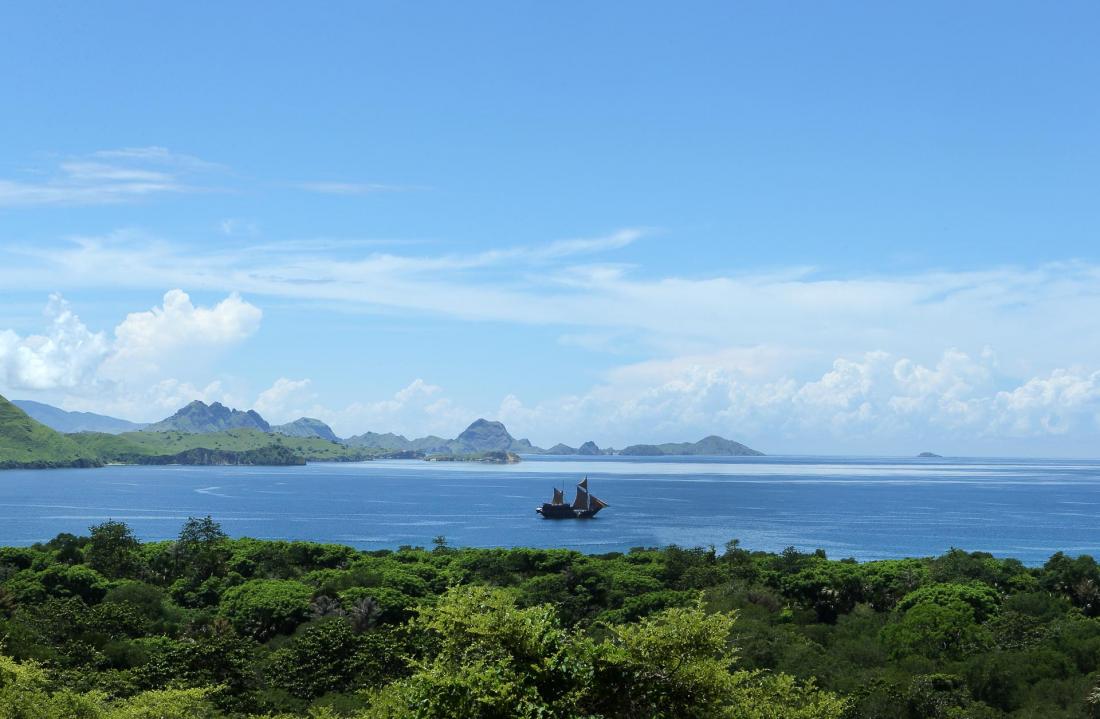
(564, 511)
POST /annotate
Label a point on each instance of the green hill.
(390, 442)
(201, 418)
(713, 446)
(306, 427)
(481, 436)
(145, 447)
(25, 443)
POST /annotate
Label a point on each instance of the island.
(491, 457)
(713, 446)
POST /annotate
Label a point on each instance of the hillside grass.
(150, 444)
(27, 443)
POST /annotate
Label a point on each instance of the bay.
(866, 508)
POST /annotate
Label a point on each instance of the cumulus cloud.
(1063, 402)
(161, 398)
(286, 400)
(144, 340)
(68, 356)
(415, 410)
(874, 401)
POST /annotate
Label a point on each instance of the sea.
(859, 507)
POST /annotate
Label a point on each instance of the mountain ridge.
(306, 427)
(68, 422)
(200, 418)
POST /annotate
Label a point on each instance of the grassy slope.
(234, 440)
(25, 442)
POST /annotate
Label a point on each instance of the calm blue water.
(851, 507)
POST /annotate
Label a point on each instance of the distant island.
(492, 457)
(35, 435)
(929, 455)
(713, 446)
(587, 449)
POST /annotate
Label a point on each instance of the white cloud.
(235, 227)
(177, 330)
(877, 402)
(153, 402)
(70, 357)
(1061, 403)
(159, 156)
(106, 177)
(817, 317)
(66, 356)
(286, 400)
(349, 188)
(589, 245)
(415, 410)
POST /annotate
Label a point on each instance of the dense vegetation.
(206, 626)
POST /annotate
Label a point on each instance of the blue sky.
(814, 228)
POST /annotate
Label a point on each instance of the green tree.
(984, 600)
(62, 580)
(24, 695)
(492, 660)
(202, 547)
(937, 631)
(265, 607)
(165, 704)
(495, 660)
(322, 657)
(112, 550)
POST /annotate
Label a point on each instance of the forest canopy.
(104, 626)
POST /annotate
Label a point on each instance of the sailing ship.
(584, 506)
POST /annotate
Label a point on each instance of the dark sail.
(581, 501)
(559, 496)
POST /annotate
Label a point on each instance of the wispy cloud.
(106, 177)
(590, 245)
(352, 188)
(570, 284)
(160, 156)
(236, 227)
(130, 174)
